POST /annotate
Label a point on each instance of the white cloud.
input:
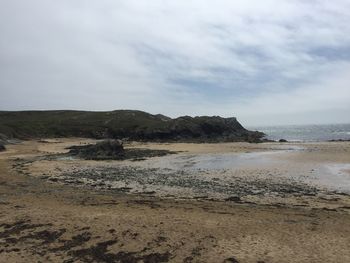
(245, 58)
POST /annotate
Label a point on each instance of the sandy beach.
(175, 131)
(227, 202)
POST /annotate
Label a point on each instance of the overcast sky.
(265, 62)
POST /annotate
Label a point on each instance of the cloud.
(274, 61)
(325, 100)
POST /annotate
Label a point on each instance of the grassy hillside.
(135, 125)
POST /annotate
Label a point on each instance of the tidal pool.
(218, 175)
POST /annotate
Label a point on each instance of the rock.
(234, 199)
(109, 149)
(3, 141)
(266, 140)
(231, 260)
(283, 140)
(114, 150)
(3, 137)
(2, 147)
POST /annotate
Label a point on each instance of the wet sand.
(53, 220)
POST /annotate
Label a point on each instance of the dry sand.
(47, 221)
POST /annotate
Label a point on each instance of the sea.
(306, 133)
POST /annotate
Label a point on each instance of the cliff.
(122, 124)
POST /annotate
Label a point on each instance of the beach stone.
(231, 260)
(234, 199)
(2, 147)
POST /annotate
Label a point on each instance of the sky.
(265, 62)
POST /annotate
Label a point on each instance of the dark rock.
(113, 150)
(3, 138)
(2, 147)
(266, 140)
(283, 140)
(234, 199)
(339, 140)
(231, 260)
(110, 149)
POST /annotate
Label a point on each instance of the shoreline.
(57, 222)
(262, 173)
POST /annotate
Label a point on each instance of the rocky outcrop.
(3, 141)
(123, 124)
(2, 147)
(113, 150)
(3, 138)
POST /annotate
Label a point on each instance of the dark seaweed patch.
(99, 253)
(18, 227)
(76, 241)
(45, 236)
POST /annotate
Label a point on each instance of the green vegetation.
(122, 124)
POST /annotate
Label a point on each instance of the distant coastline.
(129, 125)
(306, 133)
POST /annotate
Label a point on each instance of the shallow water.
(335, 176)
(213, 161)
(219, 161)
(267, 164)
(220, 175)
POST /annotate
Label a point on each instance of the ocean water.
(306, 132)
